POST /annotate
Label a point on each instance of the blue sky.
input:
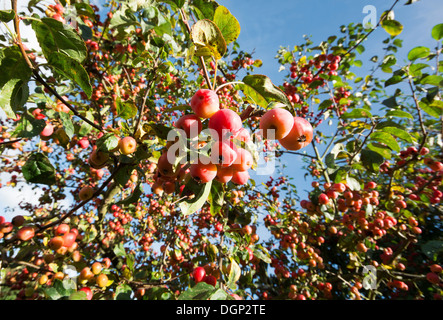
(267, 25)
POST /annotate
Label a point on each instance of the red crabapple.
(205, 103)
(300, 136)
(276, 123)
(240, 177)
(190, 124)
(225, 123)
(127, 145)
(243, 161)
(223, 153)
(203, 172)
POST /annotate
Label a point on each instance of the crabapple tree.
(145, 129)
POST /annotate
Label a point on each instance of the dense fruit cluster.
(293, 133)
(217, 152)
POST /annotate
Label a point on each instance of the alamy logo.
(370, 20)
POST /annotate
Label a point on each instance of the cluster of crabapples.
(98, 159)
(227, 158)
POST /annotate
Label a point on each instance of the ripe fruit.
(97, 268)
(224, 174)
(223, 154)
(18, 221)
(83, 143)
(69, 239)
(165, 167)
(432, 277)
(85, 275)
(127, 145)
(62, 229)
(210, 279)
(48, 130)
(323, 199)
(56, 243)
(97, 159)
(224, 124)
(243, 135)
(361, 247)
(26, 233)
(203, 172)
(86, 193)
(205, 103)
(88, 292)
(240, 177)
(190, 124)
(244, 160)
(199, 274)
(300, 135)
(436, 268)
(276, 123)
(102, 280)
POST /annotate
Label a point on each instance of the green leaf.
(432, 248)
(433, 80)
(415, 69)
(85, 127)
(107, 142)
(55, 36)
(152, 18)
(419, 52)
(227, 23)
(219, 294)
(125, 109)
(133, 197)
(357, 113)
(71, 69)
(13, 95)
(399, 133)
(79, 295)
(371, 160)
(353, 184)
(393, 80)
(190, 206)
(67, 124)
(6, 15)
(387, 139)
(399, 114)
(382, 150)
(437, 31)
(393, 27)
(14, 78)
(434, 109)
(234, 274)
(262, 254)
(208, 39)
(38, 169)
(119, 250)
(123, 292)
(201, 291)
(260, 90)
(85, 9)
(90, 233)
(124, 17)
(28, 126)
(216, 197)
(157, 129)
(204, 9)
(179, 3)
